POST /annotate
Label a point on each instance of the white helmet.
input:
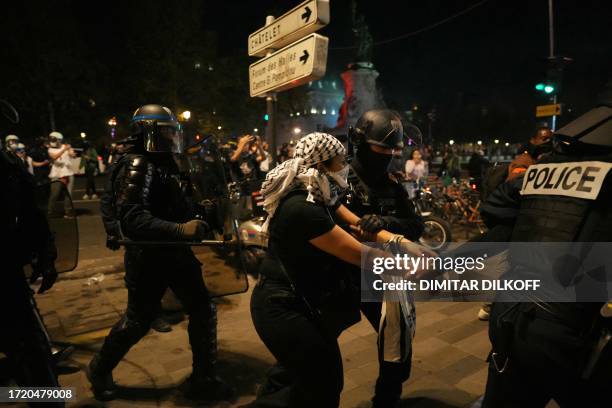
(55, 138)
(11, 139)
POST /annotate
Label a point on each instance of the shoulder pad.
(137, 160)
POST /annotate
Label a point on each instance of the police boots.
(203, 384)
(102, 384)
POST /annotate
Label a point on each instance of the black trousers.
(90, 174)
(310, 358)
(147, 278)
(23, 340)
(546, 361)
(391, 375)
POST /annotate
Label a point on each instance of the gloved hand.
(112, 242)
(49, 276)
(372, 223)
(194, 229)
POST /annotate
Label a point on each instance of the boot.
(201, 387)
(203, 384)
(161, 325)
(102, 384)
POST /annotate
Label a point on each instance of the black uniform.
(27, 238)
(387, 198)
(373, 193)
(149, 204)
(540, 350)
(146, 202)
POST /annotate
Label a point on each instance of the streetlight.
(451, 142)
(297, 130)
(112, 121)
(255, 130)
(83, 135)
(219, 128)
(479, 143)
(186, 115)
(496, 141)
(507, 144)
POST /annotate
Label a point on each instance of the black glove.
(372, 223)
(112, 242)
(194, 229)
(48, 273)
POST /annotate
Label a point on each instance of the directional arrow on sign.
(306, 15)
(303, 61)
(298, 22)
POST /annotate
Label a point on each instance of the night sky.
(487, 60)
(493, 54)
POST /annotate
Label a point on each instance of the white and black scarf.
(310, 150)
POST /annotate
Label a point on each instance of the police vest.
(557, 197)
(382, 200)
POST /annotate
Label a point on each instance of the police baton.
(205, 242)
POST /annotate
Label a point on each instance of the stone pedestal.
(361, 93)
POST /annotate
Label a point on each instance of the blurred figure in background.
(24, 159)
(10, 142)
(416, 167)
(41, 166)
(89, 162)
(266, 164)
(61, 169)
(477, 166)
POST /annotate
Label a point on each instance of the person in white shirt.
(61, 170)
(416, 167)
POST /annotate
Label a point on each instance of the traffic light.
(266, 117)
(545, 87)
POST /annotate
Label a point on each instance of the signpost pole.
(271, 126)
(271, 111)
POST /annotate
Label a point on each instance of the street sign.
(303, 61)
(548, 110)
(300, 21)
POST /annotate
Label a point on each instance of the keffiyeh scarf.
(310, 150)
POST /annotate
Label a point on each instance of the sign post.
(301, 55)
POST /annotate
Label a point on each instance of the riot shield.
(224, 266)
(64, 227)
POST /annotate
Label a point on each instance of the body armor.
(388, 199)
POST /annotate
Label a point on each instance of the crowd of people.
(51, 162)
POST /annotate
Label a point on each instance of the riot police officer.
(151, 205)
(381, 202)
(541, 349)
(28, 240)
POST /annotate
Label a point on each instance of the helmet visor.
(164, 138)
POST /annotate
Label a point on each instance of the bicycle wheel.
(437, 233)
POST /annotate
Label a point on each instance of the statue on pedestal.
(360, 91)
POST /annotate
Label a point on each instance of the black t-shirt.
(41, 174)
(297, 221)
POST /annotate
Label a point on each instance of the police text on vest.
(574, 179)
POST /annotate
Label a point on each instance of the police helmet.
(381, 127)
(158, 129)
(594, 128)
